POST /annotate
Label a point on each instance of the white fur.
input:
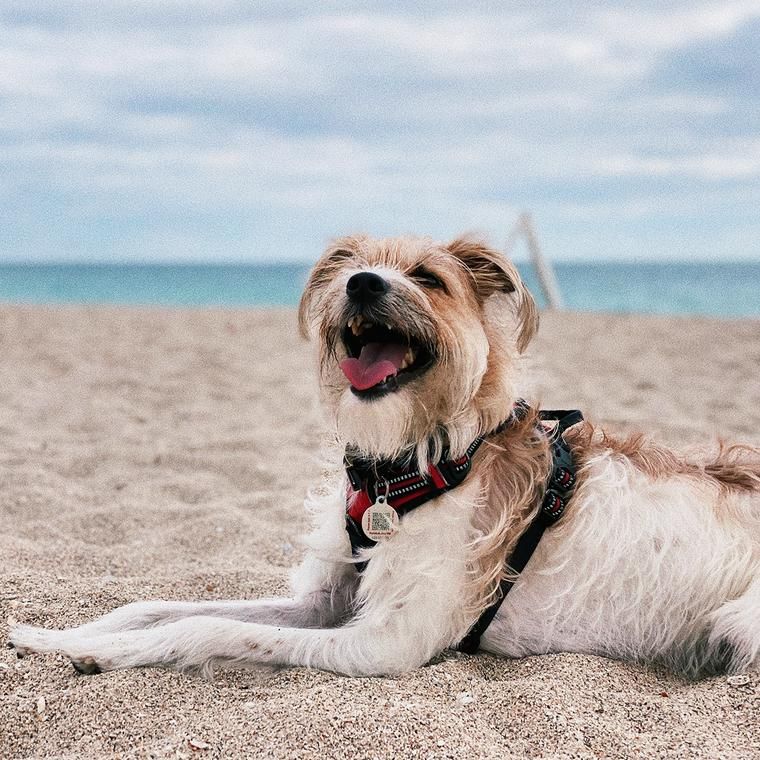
(404, 609)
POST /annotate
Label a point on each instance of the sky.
(223, 131)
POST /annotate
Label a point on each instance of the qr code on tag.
(380, 522)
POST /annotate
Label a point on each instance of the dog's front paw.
(27, 639)
(90, 655)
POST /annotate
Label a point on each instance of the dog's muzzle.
(380, 356)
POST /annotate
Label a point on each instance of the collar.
(404, 486)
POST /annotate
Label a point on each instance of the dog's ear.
(492, 272)
(322, 274)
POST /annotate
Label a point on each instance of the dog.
(649, 556)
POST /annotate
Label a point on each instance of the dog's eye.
(427, 279)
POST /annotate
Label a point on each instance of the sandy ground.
(164, 454)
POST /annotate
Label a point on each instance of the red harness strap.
(405, 490)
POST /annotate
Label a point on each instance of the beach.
(156, 453)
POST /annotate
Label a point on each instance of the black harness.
(405, 490)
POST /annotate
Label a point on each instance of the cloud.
(139, 129)
(727, 64)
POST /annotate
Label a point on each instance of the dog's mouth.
(380, 359)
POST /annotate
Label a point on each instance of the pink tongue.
(375, 363)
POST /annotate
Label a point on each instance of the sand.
(165, 454)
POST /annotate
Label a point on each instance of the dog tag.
(380, 521)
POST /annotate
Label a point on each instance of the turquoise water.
(726, 289)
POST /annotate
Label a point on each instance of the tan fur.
(513, 468)
(491, 272)
(732, 466)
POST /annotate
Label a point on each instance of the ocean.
(719, 289)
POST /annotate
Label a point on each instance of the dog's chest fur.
(433, 543)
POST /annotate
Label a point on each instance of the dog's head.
(418, 340)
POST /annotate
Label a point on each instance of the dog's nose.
(366, 286)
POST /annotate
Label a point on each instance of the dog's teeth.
(356, 324)
(407, 360)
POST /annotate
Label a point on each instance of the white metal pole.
(544, 270)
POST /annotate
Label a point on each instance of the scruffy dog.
(654, 557)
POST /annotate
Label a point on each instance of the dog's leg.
(317, 610)
(403, 623)
(322, 599)
(736, 625)
(199, 643)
